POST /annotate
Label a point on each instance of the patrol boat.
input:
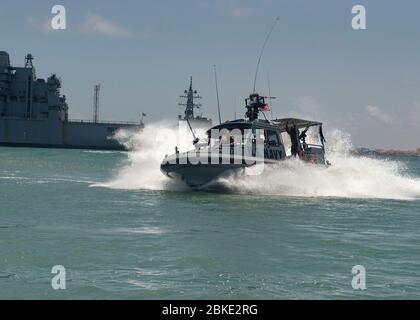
(233, 146)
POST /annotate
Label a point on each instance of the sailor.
(294, 137)
(302, 137)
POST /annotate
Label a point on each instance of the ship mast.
(189, 105)
(29, 84)
(96, 91)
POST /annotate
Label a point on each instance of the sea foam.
(349, 176)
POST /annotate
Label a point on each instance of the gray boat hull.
(198, 176)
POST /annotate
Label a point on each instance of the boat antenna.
(192, 131)
(270, 98)
(262, 51)
(234, 106)
(217, 94)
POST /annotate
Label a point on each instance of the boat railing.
(106, 122)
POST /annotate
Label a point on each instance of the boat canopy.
(299, 123)
(235, 124)
(280, 124)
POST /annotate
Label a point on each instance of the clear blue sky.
(143, 52)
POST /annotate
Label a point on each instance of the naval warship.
(33, 113)
(196, 122)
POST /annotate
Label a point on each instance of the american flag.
(266, 108)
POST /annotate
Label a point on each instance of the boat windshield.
(229, 135)
(306, 139)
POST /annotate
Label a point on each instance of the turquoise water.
(157, 244)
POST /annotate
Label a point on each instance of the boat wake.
(348, 177)
(147, 149)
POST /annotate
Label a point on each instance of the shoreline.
(386, 152)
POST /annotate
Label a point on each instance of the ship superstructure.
(34, 113)
(190, 97)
